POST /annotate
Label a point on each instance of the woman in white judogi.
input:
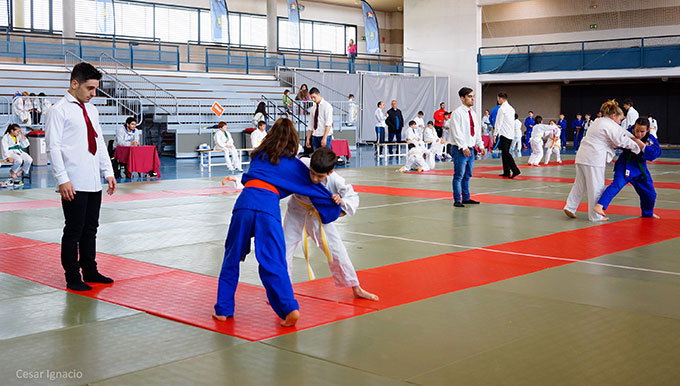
(224, 142)
(21, 107)
(13, 143)
(540, 132)
(553, 144)
(301, 218)
(596, 150)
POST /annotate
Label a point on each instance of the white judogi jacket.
(604, 136)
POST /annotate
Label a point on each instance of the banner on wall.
(219, 15)
(104, 12)
(294, 19)
(371, 29)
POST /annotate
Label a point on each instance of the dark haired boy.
(301, 221)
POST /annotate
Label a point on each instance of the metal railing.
(606, 54)
(130, 82)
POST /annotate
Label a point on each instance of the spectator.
(562, 123)
(529, 123)
(21, 107)
(260, 114)
(320, 127)
(352, 49)
(439, 119)
(486, 122)
(14, 145)
(380, 125)
(631, 114)
(287, 102)
(352, 111)
(257, 136)
(395, 122)
(126, 135)
(586, 124)
(34, 109)
(505, 131)
(45, 103)
(303, 94)
(577, 125)
(420, 123)
(76, 150)
(224, 142)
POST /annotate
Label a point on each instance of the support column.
(272, 28)
(69, 17)
(447, 45)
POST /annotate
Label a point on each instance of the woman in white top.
(260, 114)
(380, 125)
(257, 136)
(13, 144)
(516, 146)
(224, 142)
(596, 150)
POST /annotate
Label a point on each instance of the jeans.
(391, 133)
(316, 142)
(379, 137)
(462, 172)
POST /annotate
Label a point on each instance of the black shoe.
(97, 278)
(470, 202)
(515, 174)
(78, 286)
(458, 204)
(504, 175)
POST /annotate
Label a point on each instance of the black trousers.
(508, 162)
(391, 134)
(439, 131)
(80, 231)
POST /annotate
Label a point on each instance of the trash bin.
(247, 142)
(37, 149)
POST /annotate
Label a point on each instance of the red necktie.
(316, 116)
(472, 124)
(91, 134)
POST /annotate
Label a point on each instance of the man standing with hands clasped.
(76, 149)
(467, 133)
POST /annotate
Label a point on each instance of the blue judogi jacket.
(290, 176)
(563, 124)
(631, 165)
(492, 115)
(529, 123)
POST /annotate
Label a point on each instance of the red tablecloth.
(487, 141)
(341, 147)
(139, 159)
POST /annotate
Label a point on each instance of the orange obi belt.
(262, 185)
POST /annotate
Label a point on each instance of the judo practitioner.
(301, 221)
(13, 147)
(224, 142)
(539, 134)
(274, 173)
(632, 169)
(552, 146)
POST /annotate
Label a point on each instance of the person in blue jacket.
(529, 123)
(577, 125)
(632, 168)
(562, 123)
(492, 118)
(274, 173)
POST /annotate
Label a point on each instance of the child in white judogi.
(538, 135)
(553, 144)
(224, 142)
(301, 217)
(414, 136)
(257, 136)
(420, 159)
(430, 134)
(12, 147)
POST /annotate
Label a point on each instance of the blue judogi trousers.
(643, 186)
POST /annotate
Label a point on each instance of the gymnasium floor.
(509, 292)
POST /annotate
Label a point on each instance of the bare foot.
(569, 214)
(656, 216)
(599, 209)
(291, 319)
(13, 175)
(227, 179)
(221, 318)
(603, 219)
(401, 169)
(363, 294)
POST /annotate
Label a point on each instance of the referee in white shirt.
(466, 133)
(77, 152)
(320, 126)
(505, 131)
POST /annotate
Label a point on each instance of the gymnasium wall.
(541, 98)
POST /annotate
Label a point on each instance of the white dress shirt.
(604, 136)
(257, 136)
(325, 118)
(631, 116)
(223, 140)
(505, 121)
(380, 116)
(459, 125)
(125, 137)
(67, 149)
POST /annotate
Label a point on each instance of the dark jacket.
(392, 117)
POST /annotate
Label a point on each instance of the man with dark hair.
(505, 131)
(439, 119)
(631, 114)
(320, 126)
(467, 134)
(577, 125)
(529, 123)
(394, 121)
(301, 217)
(77, 152)
(562, 123)
(126, 135)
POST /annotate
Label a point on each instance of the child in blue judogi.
(632, 168)
(274, 173)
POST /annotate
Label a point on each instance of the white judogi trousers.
(554, 150)
(298, 218)
(536, 151)
(590, 181)
(21, 161)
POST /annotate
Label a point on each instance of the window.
(57, 17)
(234, 27)
(134, 20)
(316, 36)
(253, 30)
(4, 13)
(288, 37)
(41, 14)
(176, 24)
(22, 14)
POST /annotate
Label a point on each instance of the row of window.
(172, 24)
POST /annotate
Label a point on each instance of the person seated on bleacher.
(126, 135)
(260, 114)
(257, 136)
(14, 144)
(224, 142)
